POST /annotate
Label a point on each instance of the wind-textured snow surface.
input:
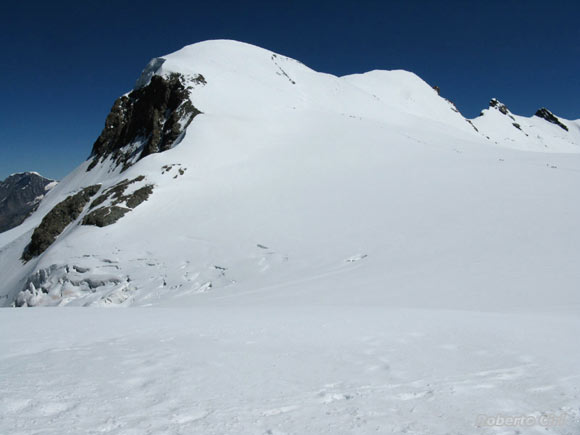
(320, 254)
(285, 370)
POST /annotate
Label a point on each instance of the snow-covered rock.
(542, 132)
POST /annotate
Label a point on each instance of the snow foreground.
(323, 254)
(288, 370)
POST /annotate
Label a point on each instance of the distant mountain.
(20, 195)
(542, 132)
(233, 170)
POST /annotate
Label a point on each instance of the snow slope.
(325, 254)
(528, 134)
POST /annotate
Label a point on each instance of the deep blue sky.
(64, 63)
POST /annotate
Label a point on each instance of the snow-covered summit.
(231, 168)
(245, 80)
(542, 132)
(249, 81)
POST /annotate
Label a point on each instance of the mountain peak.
(25, 174)
(224, 127)
(20, 194)
(550, 117)
(498, 105)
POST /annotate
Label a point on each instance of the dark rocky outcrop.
(499, 106)
(101, 216)
(494, 103)
(148, 120)
(115, 193)
(550, 117)
(139, 196)
(56, 220)
(20, 195)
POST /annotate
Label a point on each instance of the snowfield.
(319, 254)
(290, 369)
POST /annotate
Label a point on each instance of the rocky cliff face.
(56, 221)
(150, 119)
(19, 197)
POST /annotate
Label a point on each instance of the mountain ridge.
(264, 183)
(20, 194)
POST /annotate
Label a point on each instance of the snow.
(50, 185)
(286, 370)
(24, 173)
(337, 255)
(534, 134)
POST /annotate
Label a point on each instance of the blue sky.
(64, 63)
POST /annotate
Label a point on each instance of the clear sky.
(63, 63)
